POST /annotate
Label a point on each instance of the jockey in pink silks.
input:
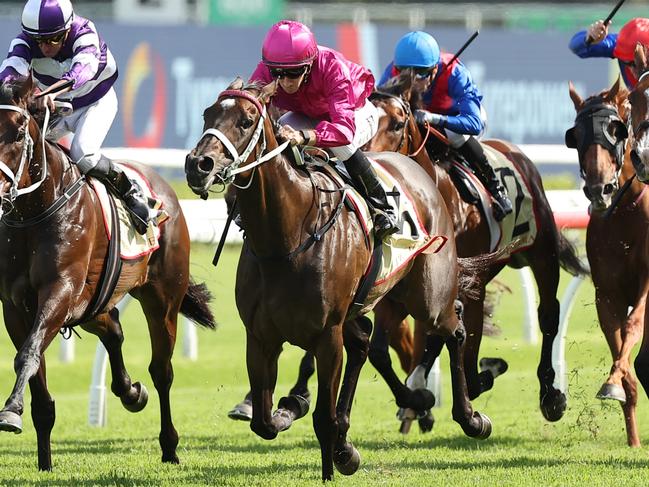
(327, 101)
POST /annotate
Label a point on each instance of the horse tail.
(195, 305)
(471, 268)
(568, 259)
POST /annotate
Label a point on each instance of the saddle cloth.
(520, 225)
(132, 244)
(412, 237)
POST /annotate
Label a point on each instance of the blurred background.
(175, 56)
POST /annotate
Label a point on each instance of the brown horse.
(639, 126)
(302, 260)
(53, 242)
(615, 236)
(398, 131)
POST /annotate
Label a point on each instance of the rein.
(26, 158)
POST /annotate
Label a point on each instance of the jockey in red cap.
(597, 42)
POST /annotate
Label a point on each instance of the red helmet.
(633, 32)
(289, 44)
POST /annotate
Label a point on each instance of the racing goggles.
(290, 73)
(52, 40)
(419, 73)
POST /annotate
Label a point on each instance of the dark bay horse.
(53, 245)
(398, 131)
(639, 128)
(296, 281)
(615, 237)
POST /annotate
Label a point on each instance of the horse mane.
(401, 83)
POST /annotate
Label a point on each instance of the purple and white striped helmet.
(46, 18)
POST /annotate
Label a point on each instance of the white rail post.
(97, 409)
(190, 340)
(531, 321)
(66, 351)
(559, 346)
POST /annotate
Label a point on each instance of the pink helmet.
(289, 44)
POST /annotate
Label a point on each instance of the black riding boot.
(366, 181)
(473, 152)
(125, 189)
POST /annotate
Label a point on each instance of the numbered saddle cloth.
(132, 244)
(520, 225)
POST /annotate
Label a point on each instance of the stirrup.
(384, 224)
(502, 206)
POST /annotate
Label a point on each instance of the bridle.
(228, 173)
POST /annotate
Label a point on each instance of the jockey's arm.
(604, 48)
(467, 103)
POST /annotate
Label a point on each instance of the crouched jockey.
(453, 105)
(60, 48)
(326, 98)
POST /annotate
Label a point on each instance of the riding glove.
(434, 119)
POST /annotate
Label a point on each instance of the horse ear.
(268, 91)
(25, 88)
(640, 58)
(612, 93)
(237, 84)
(574, 96)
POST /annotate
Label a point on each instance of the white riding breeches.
(457, 140)
(366, 119)
(89, 127)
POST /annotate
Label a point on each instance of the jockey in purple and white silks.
(326, 97)
(453, 104)
(56, 47)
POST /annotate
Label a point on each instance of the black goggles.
(52, 40)
(420, 73)
(291, 73)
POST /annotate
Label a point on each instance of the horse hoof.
(348, 464)
(426, 422)
(612, 391)
(10, 421)
(422, 399)
(242, 411)
(172, 458)
(484, 428)
(496, 366)
(295, 403)
(553, 405)
(142, 399)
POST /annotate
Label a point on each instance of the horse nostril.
(205, 164)
(608, 188)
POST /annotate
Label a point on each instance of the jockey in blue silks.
(452, 104)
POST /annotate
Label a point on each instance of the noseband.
(229, 172)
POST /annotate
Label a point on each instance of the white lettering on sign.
(193, 95)
(518, 110)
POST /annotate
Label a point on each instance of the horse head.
(17, 174)
(639, 120)
(233, 130)
(600, 135)
(396, 123)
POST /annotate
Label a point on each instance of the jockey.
(58, 46)
(452, 103)
(326, 98)
(597, 42)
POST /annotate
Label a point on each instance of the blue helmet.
(417, 50)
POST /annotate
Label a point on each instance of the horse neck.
(272, 208)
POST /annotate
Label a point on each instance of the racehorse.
(53, 245)
(398, 131)
(615, 237)
(302, 260)
(639, 126)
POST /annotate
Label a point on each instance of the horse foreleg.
(473, 423)
(356, 338)
(329, 356)
(261, 362)
(43, 416)
(50, 315)
(306, 370)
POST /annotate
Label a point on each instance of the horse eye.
(246, 123)
(398, 126)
